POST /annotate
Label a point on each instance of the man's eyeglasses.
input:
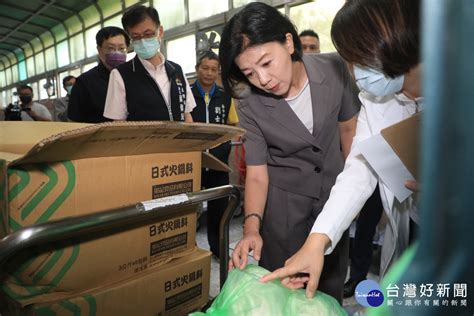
(111, 49)
(146, 35)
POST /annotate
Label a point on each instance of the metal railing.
(122, 219)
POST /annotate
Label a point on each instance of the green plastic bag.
(244, 295)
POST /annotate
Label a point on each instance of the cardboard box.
(90, 169)
(174, 289)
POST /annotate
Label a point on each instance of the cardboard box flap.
(212, 162)
(19, 137)
(404, 138)
(125, 139)
(9, 156)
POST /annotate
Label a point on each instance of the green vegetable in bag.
(244, 295)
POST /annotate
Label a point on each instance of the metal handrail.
(122, 219)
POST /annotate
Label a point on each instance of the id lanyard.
(207, 100)
(207, 97)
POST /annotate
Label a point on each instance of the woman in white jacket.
(380, 41)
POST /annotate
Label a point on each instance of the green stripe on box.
(45, 311)
(31, 289)
(67, 266)
(21, 185)
(15, 190)
(71, 183)
(53, 181)
(92, 304)
(48, 266)
(14, 226)
(37, 290)
(25, 265)
(50, 211)
(73, 308)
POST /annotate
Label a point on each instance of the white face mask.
(375, 82)
(146, 48)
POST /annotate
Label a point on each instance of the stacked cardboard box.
(174, 289)
(94, 168)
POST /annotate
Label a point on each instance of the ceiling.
(23, 20)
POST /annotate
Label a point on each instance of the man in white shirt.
(147, 87)
(29, 110)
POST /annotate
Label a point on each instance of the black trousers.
(215, 208)
(287, 221)
(361, 248)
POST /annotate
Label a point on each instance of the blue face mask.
(146, 48)
(375, 82)
(68, 89)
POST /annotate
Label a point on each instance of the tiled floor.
(235, 233)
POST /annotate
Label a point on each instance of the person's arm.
(256, 188)
(188, 118)
(347, 131)
(350, 107)
(190, 103)
(78, 102)
(62, 117)
(116, 101)
(353, 186)
(37, 117)
(58, 108)
(40, 113)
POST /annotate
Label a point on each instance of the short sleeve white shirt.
(116, 103)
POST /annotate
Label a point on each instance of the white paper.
(165, 201)
(387, 165)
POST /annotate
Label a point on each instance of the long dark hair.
(257, 23)
(381, 34)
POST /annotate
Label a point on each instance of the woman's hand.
(256, 187)
(251, 241)
(413, 185)
(309, 259)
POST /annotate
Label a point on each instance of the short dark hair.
(23, 87)
(309, 33)
(67, 78)
(108, 32)
(138, 13)
(209, 55)
(257, 23)
(381, 34)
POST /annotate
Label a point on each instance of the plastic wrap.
(244, 295)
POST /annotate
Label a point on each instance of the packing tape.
(165, 201)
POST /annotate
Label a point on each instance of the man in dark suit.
(215, 106)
